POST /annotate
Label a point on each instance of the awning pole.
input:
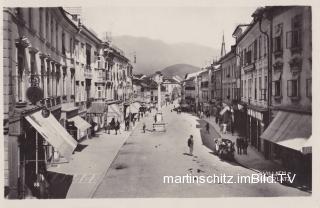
(37, 153)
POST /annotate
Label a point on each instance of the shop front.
(78, 128)
(44, 140)
(240, 120)
(287, 142)
(97, 113)
(256, 123)
(114, 112)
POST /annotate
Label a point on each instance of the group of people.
(242, 146)
(113, 125)
(201, 114)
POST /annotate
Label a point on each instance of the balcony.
(295, 65)
(294, 42)
(88, 72)
(249, 67)
(51, 102)
(101, 79)
(278, 66)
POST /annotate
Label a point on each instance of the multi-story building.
(253, 63)
(230, 78)
(172, 88)
(291, 88)
(274, 54)
(53, 70)
(39, 73)
(216, 83)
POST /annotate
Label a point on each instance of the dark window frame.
(293, 88)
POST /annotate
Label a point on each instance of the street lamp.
(199, 85)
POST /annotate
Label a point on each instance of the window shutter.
(289, 88)
(273, 88)
(289, 39)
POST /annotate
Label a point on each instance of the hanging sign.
(34, 93)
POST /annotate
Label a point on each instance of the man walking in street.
(238, 141)
(144, 128)
(245, 146)
(117, 127)
(190, 145)
(207, 127)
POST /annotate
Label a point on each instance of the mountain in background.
(179, 70)
(154, 55)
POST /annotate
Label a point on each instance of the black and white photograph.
(157, 101)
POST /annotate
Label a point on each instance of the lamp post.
(159, 80)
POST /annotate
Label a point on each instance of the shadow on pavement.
(59, 184)
(80, 147)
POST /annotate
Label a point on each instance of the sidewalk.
(253, 160)
(90, 165)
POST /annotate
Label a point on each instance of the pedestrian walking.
(144, 128)
(207, 127)
(127, 122)
(155, 118)
(117, 127)
(105, 126)
(190, 145)
(245, 146)
(238, 141)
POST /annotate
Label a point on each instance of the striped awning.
(52, 131)
(291, 130)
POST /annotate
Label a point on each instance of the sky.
(176, 24)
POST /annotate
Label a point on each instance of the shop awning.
(51, 130)
(114, 111)
(224, 110)
(80, 123)
(98, 108)
(134, 107)
(291, 130)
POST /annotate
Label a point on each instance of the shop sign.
(45, 112)
(34, 93)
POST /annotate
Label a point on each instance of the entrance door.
(267, 149)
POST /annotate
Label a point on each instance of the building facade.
(55, 67)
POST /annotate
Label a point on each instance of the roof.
(194, 74)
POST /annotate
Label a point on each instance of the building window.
(277, 44)
(293, 88)
(57, 36)
(249, 88)
(293, 39)
(265, 46)
(276, 91)
(20, 73)
(51, 24)
(255, 88)
(99, 92)
(297, 22)
(277, 41)
(309, 87)
(63, 47)
(255, 50)
(70, 47)
(260, 48)
(242, 91)
(88, 55)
